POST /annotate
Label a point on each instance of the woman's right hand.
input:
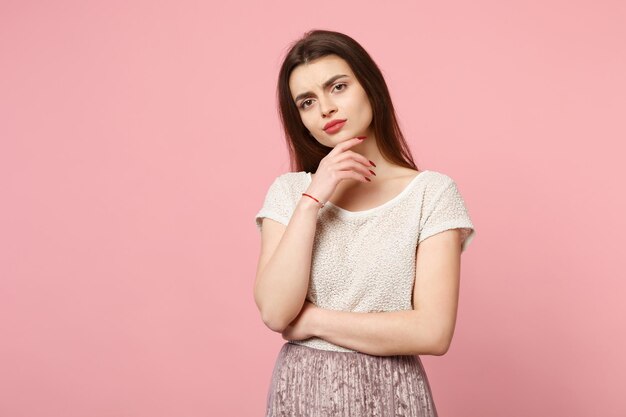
(339, 164)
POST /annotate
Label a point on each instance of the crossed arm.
(425, 330)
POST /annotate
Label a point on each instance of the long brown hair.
(306, 152)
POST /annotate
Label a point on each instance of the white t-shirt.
(364, 261)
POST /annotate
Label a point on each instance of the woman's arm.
(284, 267)
(405, 332)
(425, 330)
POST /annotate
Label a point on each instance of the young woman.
(360, 256)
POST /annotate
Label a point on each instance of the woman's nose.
(327, 107)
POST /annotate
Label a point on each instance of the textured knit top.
(364, 261)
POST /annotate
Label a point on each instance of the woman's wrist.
(316, 321)
(319, 203)
(308, 203)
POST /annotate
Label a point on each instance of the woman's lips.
(335, 128)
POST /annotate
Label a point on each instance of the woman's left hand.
(302, 327)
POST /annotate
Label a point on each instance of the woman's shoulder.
(292, 182)
(430, 178)
(292, 177)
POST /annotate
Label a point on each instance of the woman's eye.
(303, 104)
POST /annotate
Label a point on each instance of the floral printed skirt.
(308, 382)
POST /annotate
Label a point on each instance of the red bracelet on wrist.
(318, 202)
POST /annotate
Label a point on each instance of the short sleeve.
(448, 211)
(276, 204)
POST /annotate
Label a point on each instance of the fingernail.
(368, 179)
(361, 137)
(373, 173)
(372, 163)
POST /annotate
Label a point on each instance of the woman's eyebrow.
(326, 84)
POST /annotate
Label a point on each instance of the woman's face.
(325, 90)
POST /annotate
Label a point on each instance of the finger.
(347, 144)
(355, 166)
(356, 156)
(350, 174)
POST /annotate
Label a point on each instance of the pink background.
(138, 140)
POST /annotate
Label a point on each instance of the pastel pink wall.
(138, 140)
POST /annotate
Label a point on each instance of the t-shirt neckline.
(347, 213)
